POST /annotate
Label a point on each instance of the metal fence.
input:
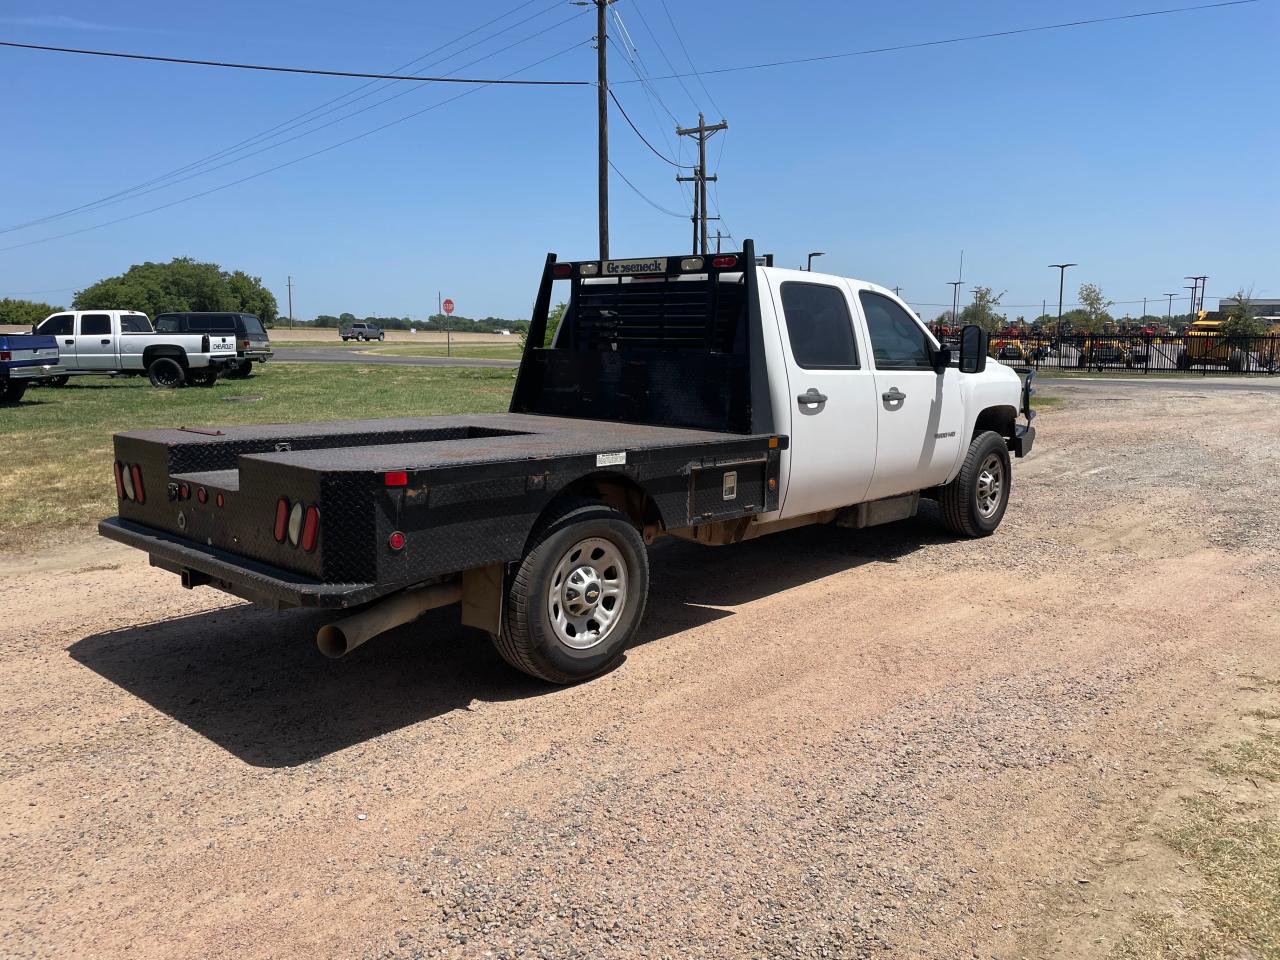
(1194, 353)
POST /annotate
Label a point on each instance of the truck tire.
(204, 377)
(1184, 360)
(166, 372)
(973, 504)
(576, 598)
(57, 381)
(11, 391)
(240, 371)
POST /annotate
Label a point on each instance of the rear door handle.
(893, 395)
(811, 396)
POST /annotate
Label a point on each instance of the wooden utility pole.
(290, 285)
(701, 133)
(602, 132)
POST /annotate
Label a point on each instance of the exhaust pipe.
(341, 637)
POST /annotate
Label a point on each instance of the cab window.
(57, 326)
(95, 325)
(819, 326)
(168, 323)
(897, 341)
(134, 323)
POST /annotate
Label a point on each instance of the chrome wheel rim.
(990, 485)
(587, 593)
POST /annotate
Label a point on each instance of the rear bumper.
(31, 371)
(257, 356)
(239, 576)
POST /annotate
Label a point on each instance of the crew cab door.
(919, 412)
(95, 342)
(830, 397)
(63, 327)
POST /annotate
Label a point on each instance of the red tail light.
(220, 500)
(202, 494)
(184, 492)
(396, 478)
(139, 494)
(721, 263)
(310, 528)
(396, 541)
(119, 481)
(282, 519)
(5, 355)
(561, 270)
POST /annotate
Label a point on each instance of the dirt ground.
(827, 743)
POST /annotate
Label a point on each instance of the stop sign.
(448, 306)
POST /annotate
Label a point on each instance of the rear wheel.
(57, 381)
(206, 377)
(973, 504)
(12, 390)
(240, 371)
(166, 372)
(577, 596)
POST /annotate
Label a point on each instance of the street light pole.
(1062, 273)
(1168, 314)
(955, 300)
(816, 253)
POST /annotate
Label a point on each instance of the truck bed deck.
(464, 490)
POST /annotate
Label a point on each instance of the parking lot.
(828, 743)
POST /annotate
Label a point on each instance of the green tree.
(180, 284)
(24, 313)
(982, 310)
(1093, 307)
(1240, 320)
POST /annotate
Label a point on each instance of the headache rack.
(660, 340)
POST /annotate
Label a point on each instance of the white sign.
(625, 268)
(611, 459)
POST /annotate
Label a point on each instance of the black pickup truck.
(663, 407)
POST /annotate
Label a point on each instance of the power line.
(289, 163)
(173, 180)
(299, 119)
(630, 123)
(657, 206)
(309, 71)
(692, 66)
(663, 53)
(954, 40)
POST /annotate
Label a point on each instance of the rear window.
(168, 323)
(134, 323)
(95, 324)
(211, 323)
(251, 325)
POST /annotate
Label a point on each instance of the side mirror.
(973, 349)
(941, 360)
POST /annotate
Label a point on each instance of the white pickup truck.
(123, 342)
(716, 399)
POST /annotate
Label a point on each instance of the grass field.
(58, 470)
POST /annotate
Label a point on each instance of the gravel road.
(828, 743)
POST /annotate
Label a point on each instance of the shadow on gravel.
(252, 681)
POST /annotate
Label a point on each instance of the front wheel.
(973, 504)
(578, 595)
(166, 372)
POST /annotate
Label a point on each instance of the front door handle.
(811, 396)
(104, 342)
(893, 395)
(69, 343)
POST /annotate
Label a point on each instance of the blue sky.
(1145, 150)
